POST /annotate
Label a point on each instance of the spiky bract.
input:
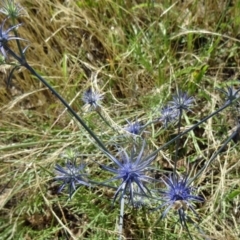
(131, 170)
(71, 175)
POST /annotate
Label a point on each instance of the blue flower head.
(181, 101)
(168, 115)
(134, 127)
(179, 195)
(4, 37)
(230, 93)
(71, 175)
(92, 99)
(131, 170)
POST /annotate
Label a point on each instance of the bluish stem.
(177, 145)
(121, 215)
(17, 40)
(24, 63)
(191, 128)
(182, 216)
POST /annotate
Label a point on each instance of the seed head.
(71, 175)
(134, 127)
(230, 94)
(168, 115)
(131, 170)
(92, 99)
(181, 101)
(179, 195)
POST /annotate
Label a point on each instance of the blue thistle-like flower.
(134, 127)
(131, 169)
(71, 175)
(168, 115)
(4, 37)
(230, 93)
(179, 195)
(181, 101)
(92, 99)
(11, 9)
